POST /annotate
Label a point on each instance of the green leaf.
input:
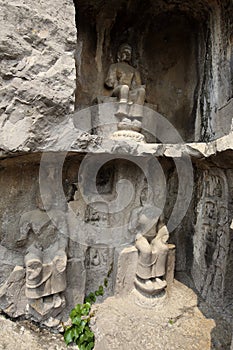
(76, 332)
(68, 336)
(76, 311)
(106, 282)
(73, 313)
(110, 270)
(82, 338)
(89, 336)
(88, 299)
(90, 346)
(85, 309)
(90, 296)
(83, 347)
(101, 290)
(83, 324)
(78, 308)
(76, 320)
(97, 293)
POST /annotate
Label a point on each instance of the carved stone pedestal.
(129, 135)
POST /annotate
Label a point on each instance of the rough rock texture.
(178, 322)
(37, 68)
(23, 335)
(181, 322)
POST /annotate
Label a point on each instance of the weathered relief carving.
(99, 261)
(12, 293)
(97, 214)
(211, 238)
(44, 234)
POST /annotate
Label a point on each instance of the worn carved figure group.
(44, 234)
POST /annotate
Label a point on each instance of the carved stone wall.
(228, 299)
(54, 252)
(211, 238)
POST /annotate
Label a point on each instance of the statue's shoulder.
(59, 217)
(28, 215)
(125, 66)
(113, 66)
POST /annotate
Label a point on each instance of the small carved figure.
(126, 83)
(96, 214)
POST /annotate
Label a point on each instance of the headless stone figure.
(126, 83)
(152, 258)
(151, 245)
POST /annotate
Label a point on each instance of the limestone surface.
(23, 335)
(180, 321)
(37, 68)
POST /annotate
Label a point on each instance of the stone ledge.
(86, 143)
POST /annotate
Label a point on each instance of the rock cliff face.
(37, 70)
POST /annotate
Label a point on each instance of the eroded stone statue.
(151, 243)
(44, 232)
(44, 279)
(152, 257)
(126, 83)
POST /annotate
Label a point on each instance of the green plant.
(79, 331)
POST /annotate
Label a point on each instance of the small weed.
(79, 332)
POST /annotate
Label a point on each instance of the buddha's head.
(124, 53)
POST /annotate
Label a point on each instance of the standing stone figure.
(151, 243)
(44, 232)
(126, 83)
(152, 258)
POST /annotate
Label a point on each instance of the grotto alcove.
(183, 52)
(181, 49)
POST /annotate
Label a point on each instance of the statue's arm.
(110, 81)
(133, 222)
(63, 231)
(137, 82)
(162, 235)
(24, 228)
